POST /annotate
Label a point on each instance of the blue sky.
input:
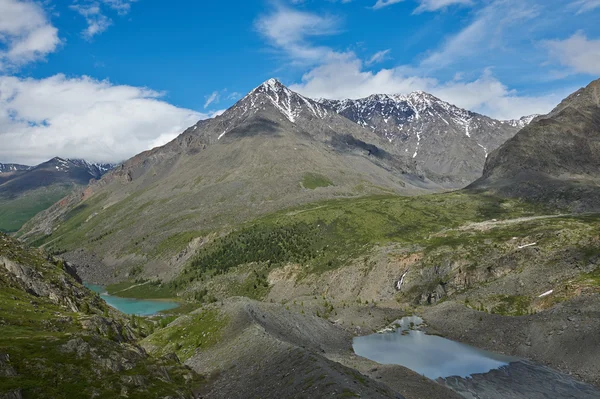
(106, 79)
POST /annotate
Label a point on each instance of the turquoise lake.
(429, 355)
(140, 307)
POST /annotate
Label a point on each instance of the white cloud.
(26, 35)
(577, 53)
(290, 31)
(385, 3)
(97, 22)
(339, 75)
(585, 5)
(486, 33)
(83, 118)
(214, 97)
(435, 5)
(345, 77)
(379, 56)
(94, 13)
(121, 6)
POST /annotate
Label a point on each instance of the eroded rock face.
(16, 394)
(6, 370)
(33, 282)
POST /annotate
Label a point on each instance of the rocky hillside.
(25, 191)
(449, 143)
(554, 159)
(271, 150)
(59, 340)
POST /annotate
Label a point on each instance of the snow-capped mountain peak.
(522, 122)
(95, 170)
(439, 136)
(288, 102)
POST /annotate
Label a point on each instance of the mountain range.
(289, 226)
(27, 190)
(449, 143)
(273, 149)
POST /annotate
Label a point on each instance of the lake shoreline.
(134, 306)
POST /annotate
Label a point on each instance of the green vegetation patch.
(15, 212)
(511, 305)
(52, 355)
(313, 181)
(330, 234)
(175, 243)
(592, 278)
(196, 331)
(255, 286)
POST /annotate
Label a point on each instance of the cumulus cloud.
(291, 30)
(83, 118)
(347, 78)
(340, 75)
(26, 34)
(577, 53)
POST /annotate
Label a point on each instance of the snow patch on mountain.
(95, 169)
(289, 103)
(12, 167)
(521, 123)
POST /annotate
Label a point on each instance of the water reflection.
(429, 355)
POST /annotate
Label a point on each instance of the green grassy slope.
(327, 235)
(73, 345)
(15, 212)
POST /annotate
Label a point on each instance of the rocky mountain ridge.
(12, 167)
(449, 142)
(26, 191)
(555, 159)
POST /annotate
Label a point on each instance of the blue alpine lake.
(140, 307)
(428, 355)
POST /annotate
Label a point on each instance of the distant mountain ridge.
(448, 142)
(12, 167)
(55, 171)
(27, 190)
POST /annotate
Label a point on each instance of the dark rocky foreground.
(521, 380)
(565, 337)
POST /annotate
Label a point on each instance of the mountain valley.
(287, 226)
